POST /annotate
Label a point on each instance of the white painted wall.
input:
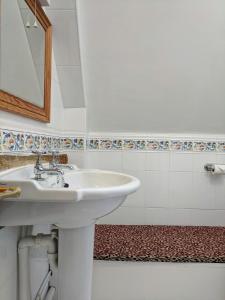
(153, 66)
(63, 16)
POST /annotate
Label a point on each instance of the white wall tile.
(77, 158)
(220, 158)
(157, 281)
(175, 188)
(137, 199)
(157, 161)
(186, 217)
(125, 216)
(203, 193)
(180, 189)
(8, 262)
(181, 162)
(134, 160)
(157, 189)
(201, 159)
(104, 160)
(219, 184)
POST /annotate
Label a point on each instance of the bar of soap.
(3, 189)
(9, 192)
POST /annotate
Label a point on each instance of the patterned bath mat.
(160, 243)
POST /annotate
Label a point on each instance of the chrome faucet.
(55, 162)
(39, 170)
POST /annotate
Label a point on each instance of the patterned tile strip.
(15, 141)
(148, 144)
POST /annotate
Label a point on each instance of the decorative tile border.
(25, 142)
(151, 144)
(14, 141)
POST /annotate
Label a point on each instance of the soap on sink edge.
(9, 192)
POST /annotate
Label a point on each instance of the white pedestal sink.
(91, 195)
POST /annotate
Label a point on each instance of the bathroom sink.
(91, 194)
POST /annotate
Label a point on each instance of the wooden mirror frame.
(14, 104)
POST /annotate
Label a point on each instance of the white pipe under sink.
(50, 294)
(40, 240)
(42, 292)
(24, 274)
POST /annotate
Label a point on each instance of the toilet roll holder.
(209, 167)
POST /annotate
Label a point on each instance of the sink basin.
(74, 210)
(91, 194)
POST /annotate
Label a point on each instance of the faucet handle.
(55, 159)
(39, 154)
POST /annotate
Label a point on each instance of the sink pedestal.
(75, 263)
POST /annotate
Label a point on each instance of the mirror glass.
(22, 52)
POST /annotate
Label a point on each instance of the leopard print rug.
(160, 243)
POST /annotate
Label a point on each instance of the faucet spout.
(53, 171)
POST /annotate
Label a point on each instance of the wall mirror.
(25, 59)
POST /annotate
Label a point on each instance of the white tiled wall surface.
(175, 189)
(8, 263)
(77, 158)
(157, 281)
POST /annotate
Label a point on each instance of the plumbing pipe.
(44, 287)
(51, 293)
(52, 259)
(43, 293)
(24, 270)
(48, 241)
(24, 275)
(26, 231)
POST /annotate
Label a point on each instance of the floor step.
(182, 244)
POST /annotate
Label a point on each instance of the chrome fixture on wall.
(215, 169)
(209, 167)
